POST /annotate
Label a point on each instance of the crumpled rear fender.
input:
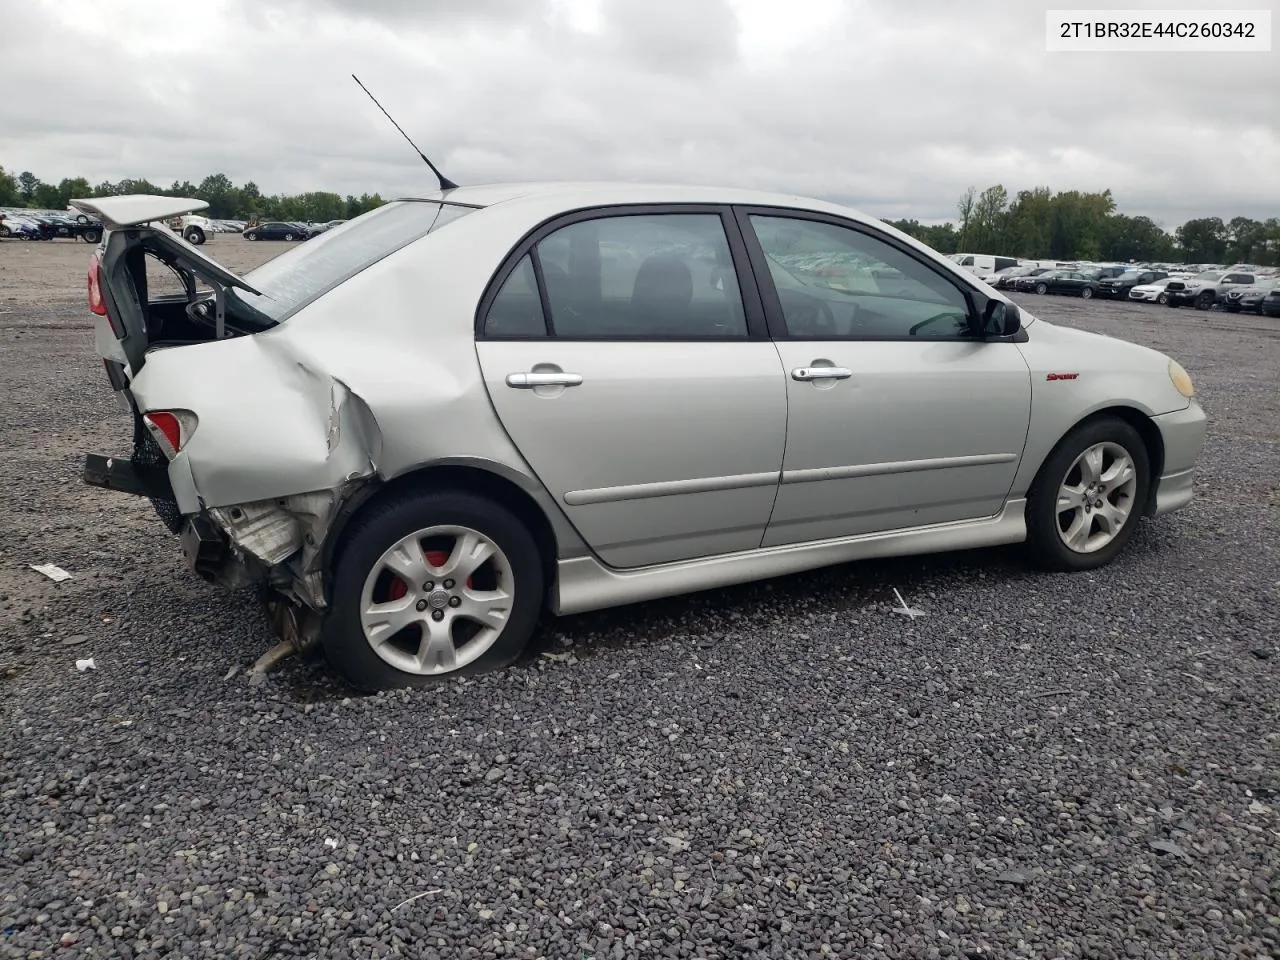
(271, 424)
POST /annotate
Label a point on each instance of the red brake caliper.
(437, 558)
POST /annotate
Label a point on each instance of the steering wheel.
(934, 319)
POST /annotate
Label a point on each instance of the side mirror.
(1000, 319)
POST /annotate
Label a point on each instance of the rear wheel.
(1205, 300)
(1086, 500)
(194, 236)
(1087, 293)
(92, 236)
(5, 232)
(1164, 299)
(430, 586)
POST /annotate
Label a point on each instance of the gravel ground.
(1042, 767)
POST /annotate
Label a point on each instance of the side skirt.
(583, 583)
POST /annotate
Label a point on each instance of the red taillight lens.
(96, 301)
(168, 426)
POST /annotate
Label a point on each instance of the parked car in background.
(276, 230)
(982, 264)
(1270, 304)
(1027, 282)
(1205, 289)
(1249, 299)
(1065, 282)
(21, 227)
(1151, 292)
(1118, 287)
(294, 449)
(323, 227)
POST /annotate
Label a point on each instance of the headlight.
(1181, 379)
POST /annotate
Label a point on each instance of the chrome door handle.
(528, 381)
(821, 373)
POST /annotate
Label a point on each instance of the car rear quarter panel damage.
(373, 381)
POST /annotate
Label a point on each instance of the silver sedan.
(426, 426)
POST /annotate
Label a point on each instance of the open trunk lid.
(136, 209)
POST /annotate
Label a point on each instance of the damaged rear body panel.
(275, 408)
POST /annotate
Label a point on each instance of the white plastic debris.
(905, 610)
(83, 665)
(52, 571)
(331, 843)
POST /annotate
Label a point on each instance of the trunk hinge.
(219, 311)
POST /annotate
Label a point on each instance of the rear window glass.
(316, 266)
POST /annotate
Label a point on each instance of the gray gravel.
(1044, 766)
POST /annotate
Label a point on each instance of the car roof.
(603, 193)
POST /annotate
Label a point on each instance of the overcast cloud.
(893, 106)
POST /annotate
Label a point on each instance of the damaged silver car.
(425, 426)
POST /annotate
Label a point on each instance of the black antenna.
(445, 182)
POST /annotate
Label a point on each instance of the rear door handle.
(821, 373)
(528, 381)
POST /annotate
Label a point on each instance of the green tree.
(27, 183)
(75, 188)
(9, 195)
(1203, 240)
(46, 197)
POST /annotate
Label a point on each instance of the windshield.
(296, 278)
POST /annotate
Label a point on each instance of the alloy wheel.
(1096, 497)
(437, 600)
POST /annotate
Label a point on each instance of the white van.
(983, 264)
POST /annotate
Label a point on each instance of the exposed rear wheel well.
(454, 477)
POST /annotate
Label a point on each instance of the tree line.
(1072, 225)
(226, 200)
(1035, 224)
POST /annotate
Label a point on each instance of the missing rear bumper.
(127, 476)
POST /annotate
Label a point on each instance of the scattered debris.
(416, 896)
(331, 843)
(676, 843)
(83, 665)
(1263, 653)
(1168, 846)
(52, 571)
(1014, 876)
(905, 610)
(270, 659)
(1258, 808)
(75, 641)
(231, 673)
(561, 657)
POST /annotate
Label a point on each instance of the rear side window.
(296, 278)
(517, 309)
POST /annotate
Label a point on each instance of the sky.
(891, 106)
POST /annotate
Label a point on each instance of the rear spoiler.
(136, 209)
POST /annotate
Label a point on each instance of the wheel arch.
(467, 477)
(1146, 429)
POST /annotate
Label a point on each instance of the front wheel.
(194, 236)
(1042, 288)
(251, 236)
(5, 232)
(288, 236)
(1205, 301)
(429, 586)
(1087, 498)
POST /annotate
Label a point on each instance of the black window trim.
(773, 304)
(752, 305)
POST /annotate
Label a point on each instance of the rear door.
(625, 351)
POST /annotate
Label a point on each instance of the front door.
(899, 416)
(635, 375)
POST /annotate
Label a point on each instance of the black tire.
(372, 532)
(288, 236)
(251, 236)
(1044, 544)
(194, 236)
(1042, 288)
(5, 232)
(1163, 300)
(1205, 300)
(82, 218)
(1086, 293)
(91, 236)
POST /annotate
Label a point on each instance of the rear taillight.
(98, 302)
(171, 428)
